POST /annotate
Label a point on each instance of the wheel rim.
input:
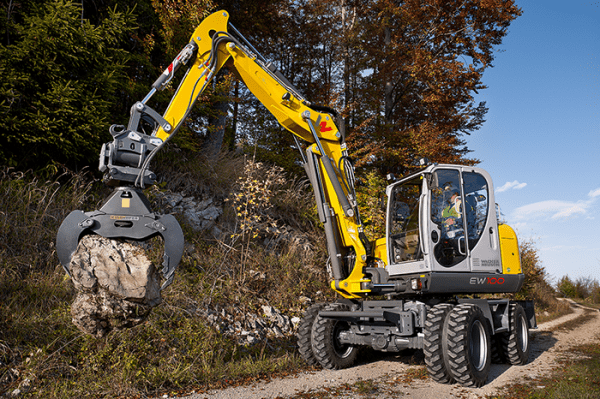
(478, 345)
(340, 349)
(522, 335)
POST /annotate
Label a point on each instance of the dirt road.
(403, 375)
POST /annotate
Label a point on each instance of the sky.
(541, 138)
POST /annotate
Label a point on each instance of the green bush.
(584, 288)
(61, 76)
(566, 287)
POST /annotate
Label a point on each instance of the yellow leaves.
(253, 199)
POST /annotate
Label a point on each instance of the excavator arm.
(215, 45)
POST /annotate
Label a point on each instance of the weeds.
(577, 378)
(44, 355)
(31, 211)
(576, 322)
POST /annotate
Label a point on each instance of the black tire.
(515, 343)
(468, 345)
(497, 357)
(325, 346)
(435, 356)
(304, 334)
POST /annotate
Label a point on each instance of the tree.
(423, 62)
(566, 287)
(60, 75)
(299, 41)
(404, 73)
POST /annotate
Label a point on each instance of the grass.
(44, 355)
(574, 323)
(587, 303)
(576, 378)
(553, 310)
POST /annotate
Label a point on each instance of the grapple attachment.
(126, 214)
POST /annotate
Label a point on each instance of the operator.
(451, 215)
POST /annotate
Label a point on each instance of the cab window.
(476, 205)
(403, 221)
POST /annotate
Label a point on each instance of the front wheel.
(326, 347)
(468, 345)
(435, 357)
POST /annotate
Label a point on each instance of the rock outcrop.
(251, 328)
(201, 215)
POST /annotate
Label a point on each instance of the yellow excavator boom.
(215, 49)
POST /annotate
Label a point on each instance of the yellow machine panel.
(509, 250)
(381, 250)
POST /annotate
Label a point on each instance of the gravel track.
(404, 375)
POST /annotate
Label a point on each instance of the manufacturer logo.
(119, 217)
(490, 263)
(324, 128)
(486, 280)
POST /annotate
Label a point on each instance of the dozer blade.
(125, 215)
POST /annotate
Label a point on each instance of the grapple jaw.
(126, 214)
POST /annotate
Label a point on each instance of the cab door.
(447, 226)
(462, 230)
(407, 210)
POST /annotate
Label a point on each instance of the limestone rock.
(117, 285)
(201, 215)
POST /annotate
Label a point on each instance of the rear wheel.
(326, 347)
(467, 343)
(435, 357)
(305, 332)
(497, 356)
(515, 343)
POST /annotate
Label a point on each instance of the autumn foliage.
(403, 73)
(427, 61)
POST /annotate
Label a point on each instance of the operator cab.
(443, 219)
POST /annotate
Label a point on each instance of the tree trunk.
(389, 87)
(346, 56)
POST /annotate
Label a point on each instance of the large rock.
(117, 285)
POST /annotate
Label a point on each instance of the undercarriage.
(459, 337)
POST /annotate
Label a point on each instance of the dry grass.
(41, 352)
(577, 378)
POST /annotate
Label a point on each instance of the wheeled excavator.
(419, 287)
